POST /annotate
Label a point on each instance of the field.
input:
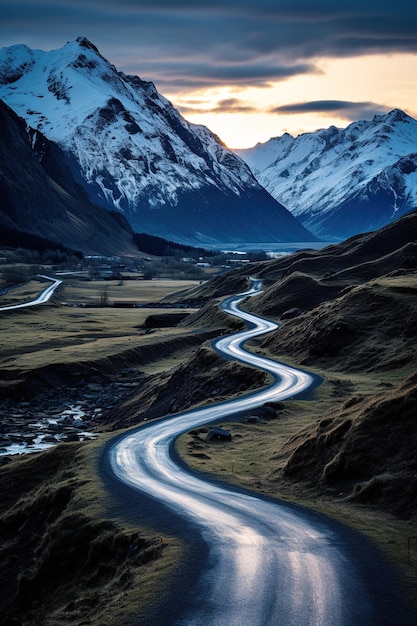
(83, 328)
(139, 291)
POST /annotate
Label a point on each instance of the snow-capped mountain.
(340, 182)
(131, 149)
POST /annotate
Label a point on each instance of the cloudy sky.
(247, 69)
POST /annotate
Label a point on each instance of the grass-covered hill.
(366, 449)
(347, 312)
(63, 559)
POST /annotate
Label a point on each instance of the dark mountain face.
(132, 151)
(39, 195)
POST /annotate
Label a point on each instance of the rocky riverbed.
(63, 414)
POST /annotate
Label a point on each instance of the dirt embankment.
(365, 452)
(77, 401)
(27, 384)
(204, 378)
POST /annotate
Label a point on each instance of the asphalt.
(383, 599)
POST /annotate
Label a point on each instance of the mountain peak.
(396, 115)
(135, 153)
(340, 182)
(14, 62)
(86, 43)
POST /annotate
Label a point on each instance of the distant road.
(268, 563)
(41, 299)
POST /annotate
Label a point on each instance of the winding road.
(268, 563)
(43, 297)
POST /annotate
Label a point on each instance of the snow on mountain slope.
(133, 151)
(339, 182)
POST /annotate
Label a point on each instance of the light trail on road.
(269, 564)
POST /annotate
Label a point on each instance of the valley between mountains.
(347, 313)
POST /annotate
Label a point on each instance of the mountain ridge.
(340, 182)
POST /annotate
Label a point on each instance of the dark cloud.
(342, 108)
(183, 43)
(201, 74)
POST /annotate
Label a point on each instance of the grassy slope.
(63, 561)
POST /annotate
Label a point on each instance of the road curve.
(269, 564)
(43, 297)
